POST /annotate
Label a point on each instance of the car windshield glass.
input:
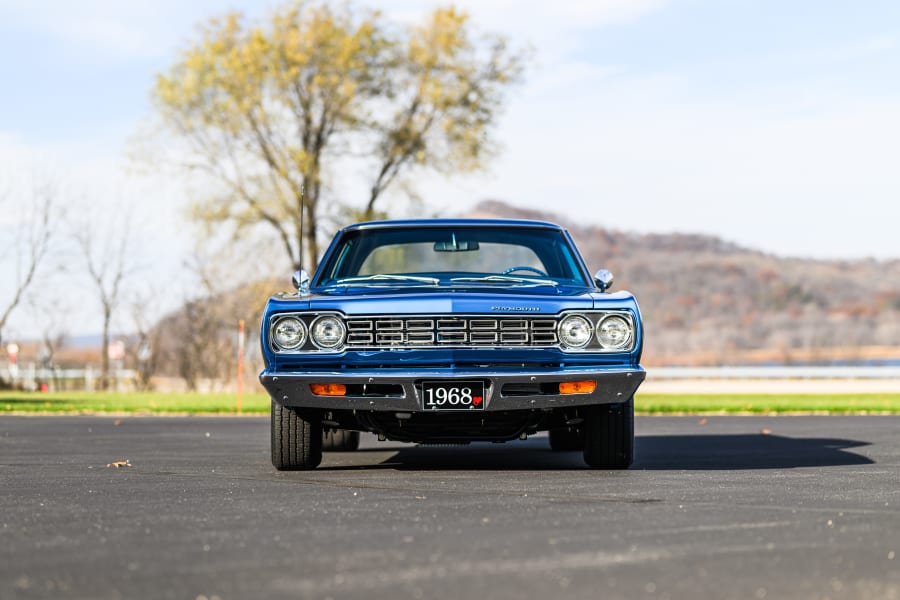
(455, 255)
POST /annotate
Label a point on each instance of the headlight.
(328, 332)
(614, 332)
(289, 333)
(574, 331)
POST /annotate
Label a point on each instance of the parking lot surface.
(715, 507)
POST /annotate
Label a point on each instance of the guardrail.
(87, 379)
(774, 372)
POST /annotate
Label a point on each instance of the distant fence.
(32, 377)
(774, 372)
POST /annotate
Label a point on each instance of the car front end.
(409, 333)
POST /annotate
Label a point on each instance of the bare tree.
(145, 353)
(105, 254)
(203, 339)
(53, 318)
(29, 244)
(198, 341)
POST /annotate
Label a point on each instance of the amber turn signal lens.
(328, 389)
(577, 387)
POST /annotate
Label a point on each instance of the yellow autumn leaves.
(270, 110)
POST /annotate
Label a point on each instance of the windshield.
(457, 255)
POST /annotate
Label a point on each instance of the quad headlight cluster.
(289, 333)
(593, 332)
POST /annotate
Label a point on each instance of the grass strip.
(661, 404)
(132, 402)
(258, 403)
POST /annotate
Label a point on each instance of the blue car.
(452, 331)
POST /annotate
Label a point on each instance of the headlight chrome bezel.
(608, 319)
(301, 328)
(574, 319)
(316, 326)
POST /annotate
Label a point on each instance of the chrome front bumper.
(291, 388)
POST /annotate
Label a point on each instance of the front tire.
(340, 440)
(609, 436)
(296, 442)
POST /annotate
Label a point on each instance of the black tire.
(609, 436)
(340, 440)
(566, 439)
(296, 442)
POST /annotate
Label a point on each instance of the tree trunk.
(307, 227)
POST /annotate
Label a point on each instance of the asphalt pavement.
(715, 507)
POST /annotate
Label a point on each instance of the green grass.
(767, 403)
(258, 403)
(134, 402)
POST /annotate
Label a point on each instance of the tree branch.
(38, 242)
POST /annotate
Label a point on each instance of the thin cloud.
(577, 15)
(113, 31)
(866, 48)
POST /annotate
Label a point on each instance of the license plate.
(453, 395)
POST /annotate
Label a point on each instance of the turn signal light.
(328, 389)
(577, 387)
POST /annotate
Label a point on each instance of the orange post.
(240, 364)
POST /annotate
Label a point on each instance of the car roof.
(404, 223)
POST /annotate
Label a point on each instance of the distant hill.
(708, 301)
(704, 301)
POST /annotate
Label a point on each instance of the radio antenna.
(302, 210)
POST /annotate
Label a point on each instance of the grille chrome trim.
(419, 332)
(445, 331)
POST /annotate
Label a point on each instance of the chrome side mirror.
(301, 282)
(604, 279)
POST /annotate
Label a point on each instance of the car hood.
(523, 300)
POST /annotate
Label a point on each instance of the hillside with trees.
(707, 301)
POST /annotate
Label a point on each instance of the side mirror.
(301, 282)
(604, 279)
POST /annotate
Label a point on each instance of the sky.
(772, 124)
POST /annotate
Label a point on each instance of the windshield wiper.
(381, 277)
(505, 279)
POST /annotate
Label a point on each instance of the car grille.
(446, 331)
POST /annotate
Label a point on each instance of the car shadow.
(743, 451)
(653, 453)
